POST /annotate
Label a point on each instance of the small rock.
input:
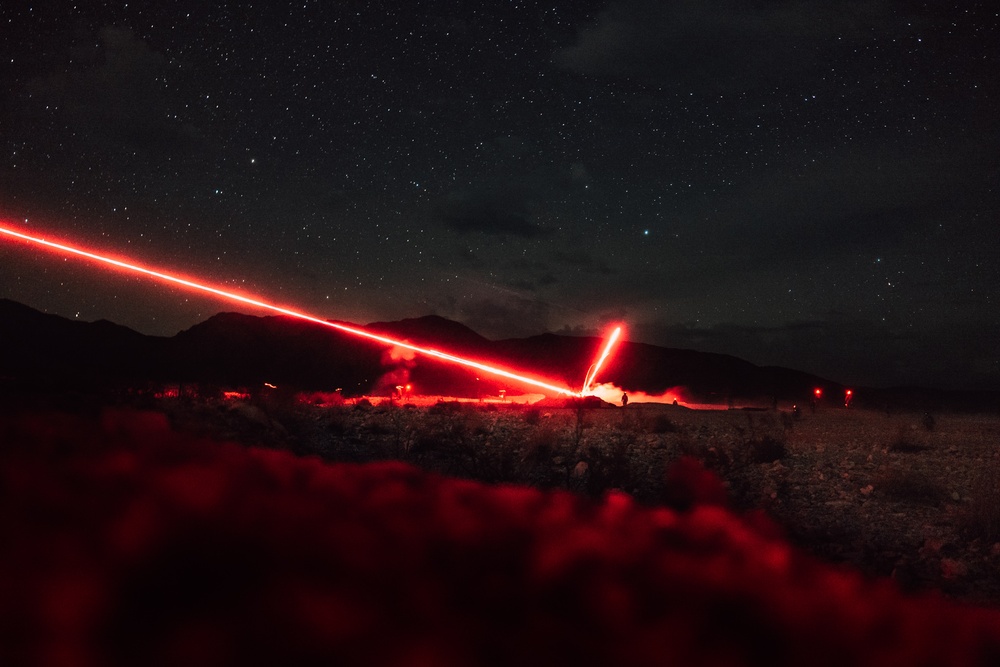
(955, 496)
(580, 469)
(867, 490)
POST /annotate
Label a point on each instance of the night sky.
(807, 183)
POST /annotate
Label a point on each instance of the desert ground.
(204, 527)
(914, 497)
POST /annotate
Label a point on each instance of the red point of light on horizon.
(192, 284)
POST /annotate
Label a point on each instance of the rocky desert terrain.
(914, 497)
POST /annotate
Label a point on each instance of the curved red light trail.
(191, 284)
(592, 375)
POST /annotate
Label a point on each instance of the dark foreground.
(126, 543)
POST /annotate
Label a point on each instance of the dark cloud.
(491, 210)
(719, 45)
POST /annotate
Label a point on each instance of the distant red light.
(818, 392)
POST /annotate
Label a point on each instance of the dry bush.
(662, 424)
(768, 449)
(740, 456)
(532, 416)
(908, 441)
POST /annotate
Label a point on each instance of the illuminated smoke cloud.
(612, 393)
(399, 360)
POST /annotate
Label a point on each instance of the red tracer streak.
(190, 284)
(592, 375)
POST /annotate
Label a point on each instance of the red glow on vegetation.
(193, 285)
(592, 375)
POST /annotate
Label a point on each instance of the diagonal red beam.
(596, 366)
(194, 285)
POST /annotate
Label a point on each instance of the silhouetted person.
(928, 421)
(624, 400)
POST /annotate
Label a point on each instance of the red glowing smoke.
(193, 285)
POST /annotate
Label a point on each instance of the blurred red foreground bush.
(124, 543)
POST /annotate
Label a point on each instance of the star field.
(801, 183)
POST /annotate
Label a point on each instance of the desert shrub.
(694, 447)
(281, 404)
(908, 486)
(907, 441)
(662, 424)
(740, 458)
(541, 443)
(927, 421)
(608, 464)
(533, 416)
(445, 408)
(768, 449)
(761, 441)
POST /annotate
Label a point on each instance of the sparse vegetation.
(908, 440)
(133, 543)
(851, 486)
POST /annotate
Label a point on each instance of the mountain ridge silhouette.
(237, 350)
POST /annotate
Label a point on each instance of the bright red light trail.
(190, 284)
(592, 375)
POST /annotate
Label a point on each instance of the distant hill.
(35, 346)
(235, 350)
